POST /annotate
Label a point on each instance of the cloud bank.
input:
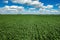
(21, 10)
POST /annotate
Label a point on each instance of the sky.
(29, 6)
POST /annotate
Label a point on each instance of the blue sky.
(30, 6)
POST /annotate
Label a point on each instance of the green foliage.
(29, 27)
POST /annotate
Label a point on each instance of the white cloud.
(54, 10)
(47, 11)
(59, 6)
(56, 4)
(20, 10)
(44, 11)
(49, 6)
(11, 9)
(21, 1)
(14, 7)
(6, 1)
(37, 4)
(34, 3)
(32, 9)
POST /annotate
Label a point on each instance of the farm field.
(29, 27)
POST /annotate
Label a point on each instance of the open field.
(29, 27)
